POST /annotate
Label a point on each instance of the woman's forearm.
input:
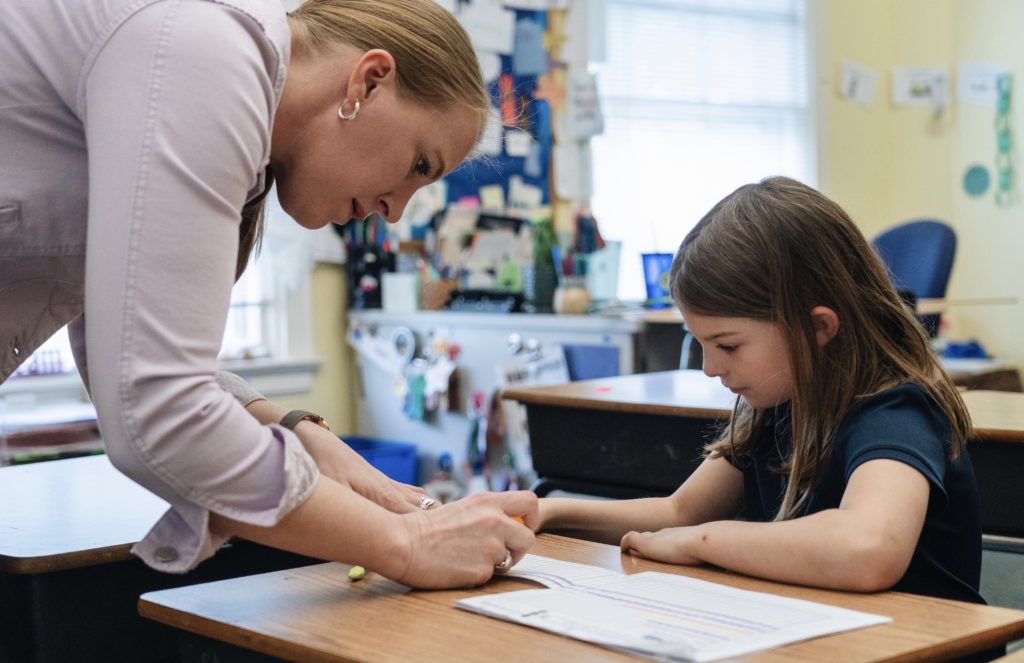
(456, 545)
(333, 459)
(334, 524)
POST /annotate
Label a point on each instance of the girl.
(843, 465)
(138, 139)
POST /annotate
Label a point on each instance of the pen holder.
(571, 296)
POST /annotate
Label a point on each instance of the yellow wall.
(331, 395)
(989, 260)
(886, 165)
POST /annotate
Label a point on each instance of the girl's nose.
(711, 368)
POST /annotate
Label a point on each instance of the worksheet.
(660, 615)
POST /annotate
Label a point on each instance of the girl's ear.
(826, 324)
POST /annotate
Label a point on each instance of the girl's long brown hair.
(773, 251)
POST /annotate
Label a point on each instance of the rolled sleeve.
(178, 109)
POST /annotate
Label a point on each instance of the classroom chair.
(590, 362)
(919, 255)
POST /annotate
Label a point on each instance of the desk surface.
(59, 515)
(671, 314)
(997, 415)
(677, 393)
(316, 613)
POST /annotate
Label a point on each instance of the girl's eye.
(423, 167)
(727, 349)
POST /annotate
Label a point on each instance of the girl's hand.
(459, 544)
(671, 545)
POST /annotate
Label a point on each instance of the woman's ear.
(373, 69)
(826, 324)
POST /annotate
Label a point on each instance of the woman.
(132, 134)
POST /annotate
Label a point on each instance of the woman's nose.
(393, 206)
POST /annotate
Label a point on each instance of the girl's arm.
(864, 545)
(712, 492)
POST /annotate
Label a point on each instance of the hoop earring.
(348, 116)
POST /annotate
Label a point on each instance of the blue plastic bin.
(395, 459)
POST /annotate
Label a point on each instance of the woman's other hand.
(460, 544)
(340, 462)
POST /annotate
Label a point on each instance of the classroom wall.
(883, 164)
(991, 238)
(886, 165)
(331, 395)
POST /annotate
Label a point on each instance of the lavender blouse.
(131, 134)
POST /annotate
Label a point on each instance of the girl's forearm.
(826, 549)
(604, 520)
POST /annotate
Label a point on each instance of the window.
(53, 357)
(699, 97)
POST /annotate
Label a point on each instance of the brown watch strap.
(292, 419)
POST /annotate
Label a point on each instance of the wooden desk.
(627, 436)
(68, 581)
(316, 614)
(997, 451)
(642, 435)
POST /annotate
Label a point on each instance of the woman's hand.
(459, 544)
(340, 462)
(669, 545)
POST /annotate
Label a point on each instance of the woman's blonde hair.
(773, 251)
(435, 64)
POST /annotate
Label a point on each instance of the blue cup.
(656, 270)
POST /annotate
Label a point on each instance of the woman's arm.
(339, 462)
(713, 491)
(457, 545)
(864, 545)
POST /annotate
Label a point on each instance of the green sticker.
(976, 180)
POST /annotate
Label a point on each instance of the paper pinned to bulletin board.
(517, 141)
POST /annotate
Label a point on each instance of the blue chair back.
(590, 362)
(919, 255)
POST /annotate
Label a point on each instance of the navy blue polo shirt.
(901, 424)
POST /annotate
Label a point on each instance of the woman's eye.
(728, 349)
(423, 167)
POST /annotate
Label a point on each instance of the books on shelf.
(660, 615)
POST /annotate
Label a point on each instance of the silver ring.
(504, 565)
(427, 502)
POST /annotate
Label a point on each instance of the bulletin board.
(513, 96)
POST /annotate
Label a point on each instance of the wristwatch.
(292, 419)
